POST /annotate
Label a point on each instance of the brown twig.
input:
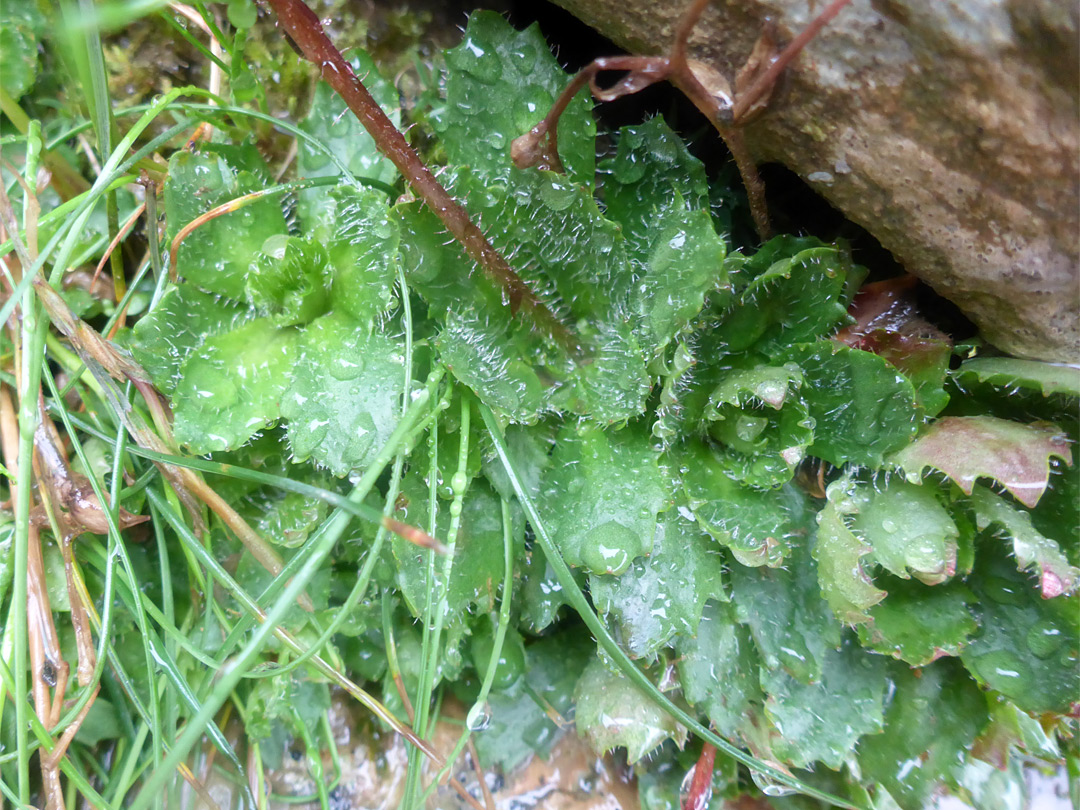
(709, 91)
(701, 784)
(304, 29)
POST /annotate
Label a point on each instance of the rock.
(947, 129)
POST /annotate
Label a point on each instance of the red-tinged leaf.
(966, 448)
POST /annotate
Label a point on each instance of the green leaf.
(334, 125)
(1056, 576)
(540, 596)
(905, 525)
(822, 721)
(663, 594)
(181, 322)
(718, 669)
(1011, 372)
(658, 193)
(923, 360)
(500, 83)
(613, 713)
(861, 406)
(343, 401)
(755, 524)
(18, 51)
(478, 555)
(761, 423)
(933, 717)
(919, 624)
(966, 448)
(798, 292)
(289, 280)
(791, 624)
(519, 725)
(558, 241)
(601, 496)
(1026, 647)
(217, 255)
(844, 582)
(231, 387)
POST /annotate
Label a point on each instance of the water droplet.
(1044, 638)
(479, 717)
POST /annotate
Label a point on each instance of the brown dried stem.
(708, 90)
(305, 30)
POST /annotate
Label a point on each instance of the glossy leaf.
(601, 497)
(861, 406)
(662, 595)
(1031, 549)
(905, 525)
(718, 669)
(216, 256)
(478, 557)
(757, 525)
(332, 123)
(1027, 646)
(919, 624)
(500, 83)
(841, 558)
(658, 193)
(289, 280)
(21, 26)
(181, 322)
(791, 624)
(232, 386)
(822, 721)
(966, 448)
(613, 713)
(1012, 372)
(761, 423)
(797, 291)
(934, 716)
(344, 398)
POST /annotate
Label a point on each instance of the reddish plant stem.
(305, 30)
(699, 785)
(767, 79)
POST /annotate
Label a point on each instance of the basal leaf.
(183, 319)
(923, 360)
(1049, 378)
(919, 624)
(663, 594)
(519, 725)
(21, 26)
(540, 595)
(575, 260)
(862, 407)
(800, 295)
(791, 624)
(757, 525)
(1056, 576)
(658, 193)
(718, 669)
(761, 424)
(601, 496)
(966, 448)
(478, 554)
(332, 123)
(344, 398)
(1027, 646)
(840, 555)
(217, 255)
(500, 83)
(905, 525)
(822, 721)
(231, 386)
(289, 280)
(613, 713)
(932, 720)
